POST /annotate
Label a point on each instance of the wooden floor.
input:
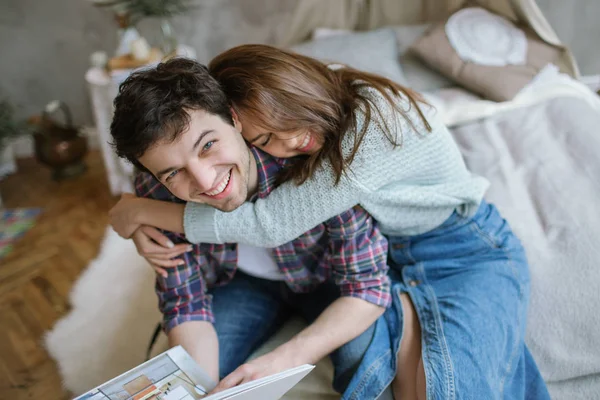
(36, 277)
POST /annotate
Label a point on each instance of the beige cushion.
(497, 83)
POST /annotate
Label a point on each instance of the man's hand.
(123, 215)
(157, 249)
(269, 364)
(199, 339)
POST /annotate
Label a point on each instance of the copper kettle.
(61, 146)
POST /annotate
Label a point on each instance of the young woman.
(460, 276)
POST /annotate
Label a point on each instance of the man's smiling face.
(208, 163)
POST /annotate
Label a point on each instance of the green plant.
(137, 10)
(10, 127)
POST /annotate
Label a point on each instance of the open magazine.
(174, 375)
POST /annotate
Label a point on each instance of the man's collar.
(268, 168)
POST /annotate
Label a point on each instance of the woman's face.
(281, 144)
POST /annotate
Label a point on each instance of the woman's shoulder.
(411, 104)
(397, 116)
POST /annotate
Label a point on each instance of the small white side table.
(103, 90)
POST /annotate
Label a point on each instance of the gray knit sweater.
(409, 189)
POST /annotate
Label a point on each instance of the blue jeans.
(249, 310)
(469, 282)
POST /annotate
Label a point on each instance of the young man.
(224, 301)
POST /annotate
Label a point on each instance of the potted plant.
(59, 145)
(134, 11)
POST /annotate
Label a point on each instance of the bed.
(539, 149)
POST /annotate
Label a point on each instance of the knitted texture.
(409, 189)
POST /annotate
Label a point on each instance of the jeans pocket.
(487, 237)
(494, 230)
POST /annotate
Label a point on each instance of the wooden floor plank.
(10, 355)
(37, 276)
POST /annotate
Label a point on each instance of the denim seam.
(442, 338)
(375, 363)
(484, 235)
(516, 346)
(493, 243)
(374, 366)
(369, 372)
(408, 254)
(425, 352)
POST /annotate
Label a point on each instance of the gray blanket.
(543, 163)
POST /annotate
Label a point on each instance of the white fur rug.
(113, 317)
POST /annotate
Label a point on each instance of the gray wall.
(577, 23)
(45, 44)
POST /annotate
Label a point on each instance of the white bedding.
(459, 106)
(543, 164)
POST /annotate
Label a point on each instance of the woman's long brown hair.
(282, 91)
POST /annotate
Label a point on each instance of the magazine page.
(271, 387)
(172, 375)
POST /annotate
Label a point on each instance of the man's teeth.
(221, 186)
(306, 140)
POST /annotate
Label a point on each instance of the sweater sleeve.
(290, 210)
(281, 217)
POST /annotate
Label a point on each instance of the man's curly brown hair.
(153, 105)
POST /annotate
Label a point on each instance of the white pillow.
(321, 33)
(372, 51)
(417, 75)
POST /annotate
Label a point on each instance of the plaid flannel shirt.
(348, 248)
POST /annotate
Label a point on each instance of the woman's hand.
(131, 212)
(124, 214)
(158, 250)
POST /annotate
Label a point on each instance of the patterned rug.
(13, 224)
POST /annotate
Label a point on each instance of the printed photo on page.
(172, 375)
